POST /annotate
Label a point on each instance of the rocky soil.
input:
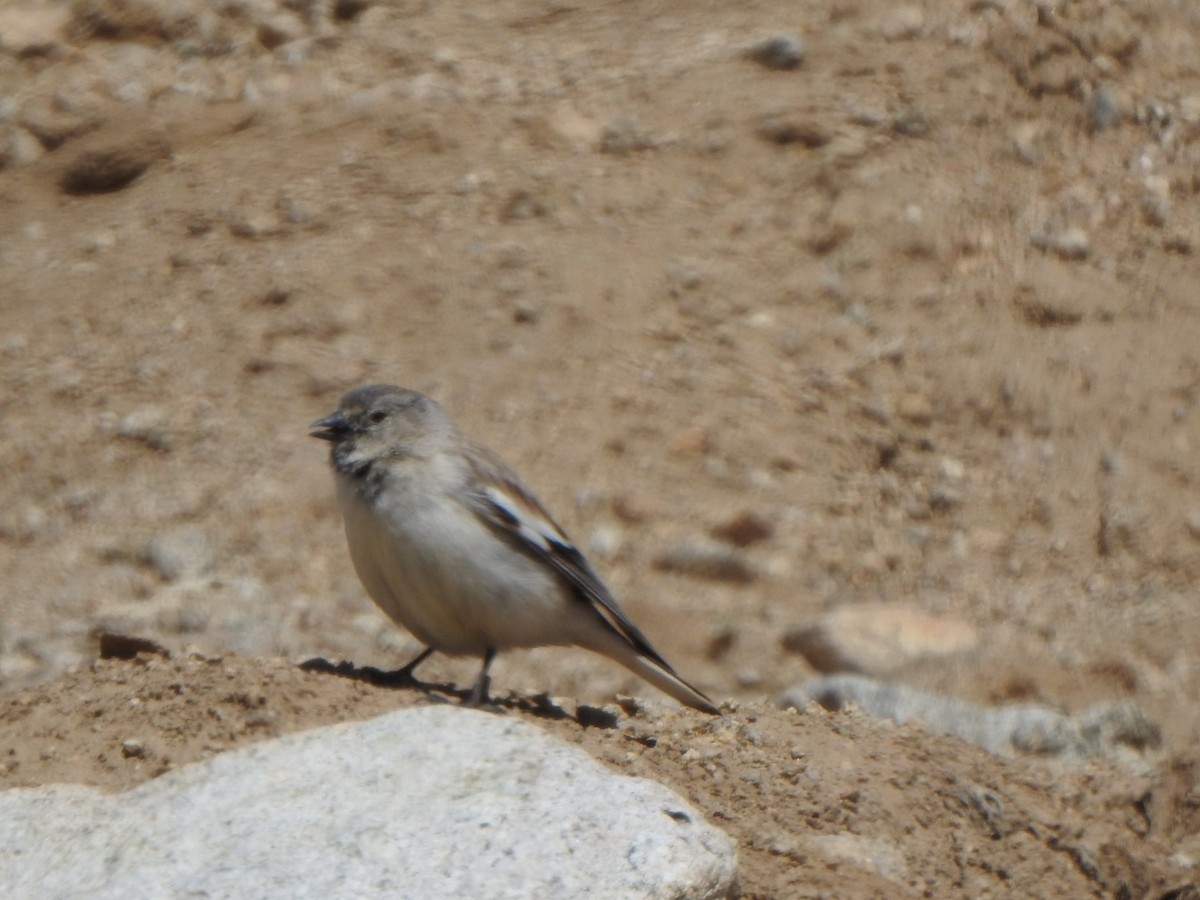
(788, 312)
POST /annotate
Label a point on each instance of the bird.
(450, 543)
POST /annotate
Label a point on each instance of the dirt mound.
(818, 802)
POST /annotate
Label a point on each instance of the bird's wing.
(504, 503)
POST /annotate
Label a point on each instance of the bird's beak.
(330, 428)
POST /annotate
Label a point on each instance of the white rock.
(431, 802)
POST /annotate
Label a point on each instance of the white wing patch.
(532, 528)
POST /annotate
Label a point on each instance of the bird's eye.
(377, 416)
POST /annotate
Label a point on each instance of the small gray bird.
(451, 545)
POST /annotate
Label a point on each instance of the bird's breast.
(438, 570)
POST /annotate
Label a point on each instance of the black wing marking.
(505, 504)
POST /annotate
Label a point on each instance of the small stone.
(100, 242)
(1068, 243)
(132, 748)
(33, 30)
(743, 529)
(18, 147)
(785, 129)
(578, 131)
(185, 551)
(915, 409)
(124, 646)
(1156, 202)
(711, 562)
(952, 468)
(23, 522)
(280, 29)
(878, 639)
(623, 136)
(782, 52)
(749, 678)
(1029, 143)
(1189, 109)
(605, 541)
(911, 123)
(111, 161)
(944, 499)
(902, 23)
(632, 509)
(720, 644)
(1103, 109)
(255, 224)
(53, 126)
(692, 442)
(147, 424)
(525, 314)
(880, 857)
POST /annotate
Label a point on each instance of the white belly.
(445, 576)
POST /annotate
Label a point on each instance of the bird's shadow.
(540, 705)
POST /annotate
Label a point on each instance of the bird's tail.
(616, 648)
(669, 683)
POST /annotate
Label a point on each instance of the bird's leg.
(479, 693)
(404, 675)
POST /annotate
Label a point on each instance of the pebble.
(915, 409)
(789, 128)
(33, 30)
(902, 23)
(132, 748)
(576, 130)
(743, 529)
(53, 125)
(1156, 202)
(632, 509)
(606, 541)
(1029, 143)
(704, 560)
(184, 551)
(255, 224)
(23, 522)
(943, 498)
(123, 646)
(147, 424)
(1103, 109)
(720, 644)
(1067, 243)
(911, 123)
(749, 678)
(1193, 523)
(280, 29)
(691, 442)
(880, 857)
(782, 52)
(18, 147)
(623, 136)
(110, 162)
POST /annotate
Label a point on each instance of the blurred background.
(842, 336)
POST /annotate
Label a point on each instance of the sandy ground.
(924, 303)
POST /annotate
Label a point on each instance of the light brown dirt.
(910, 303)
